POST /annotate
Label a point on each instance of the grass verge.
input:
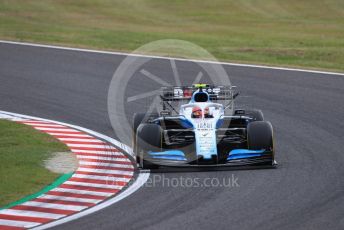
(22, 152)
(275, 32)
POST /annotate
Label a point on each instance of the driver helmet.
(207, 113)
(196, 112)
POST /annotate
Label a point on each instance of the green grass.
(289, 33)
(22, 152)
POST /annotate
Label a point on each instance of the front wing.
(237, 157)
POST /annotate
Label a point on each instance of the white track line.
(109, 186)
(105, 178)
(36, 122)
(66, 130)
(54, 206)
(168, 58)
(43, 125)
(101, 146)
(31, 213)
(82, 210)
(81, 140)
(85, 158)
(142, 178)
(101, 159)
(99, 152)
(54, 197)
(95, 170)
(17, 223)
(70, 135)
(83, 192)
(105, 164)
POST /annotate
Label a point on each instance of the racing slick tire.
(138, 119)
(148, 138)
(260, 136)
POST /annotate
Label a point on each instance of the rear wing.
(184, 93)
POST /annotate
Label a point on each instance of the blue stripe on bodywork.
(185, 123)
(169, 155)
(244, 153)
(242, 156)
(175, 158)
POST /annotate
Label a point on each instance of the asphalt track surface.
(306, 191)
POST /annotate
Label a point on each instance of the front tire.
(138, 119)
(260, 136)
(148, 138)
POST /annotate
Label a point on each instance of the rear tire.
(260, 136)
(148, 138)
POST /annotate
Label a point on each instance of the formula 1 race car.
(200, 133)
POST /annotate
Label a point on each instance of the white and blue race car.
(200, 133)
